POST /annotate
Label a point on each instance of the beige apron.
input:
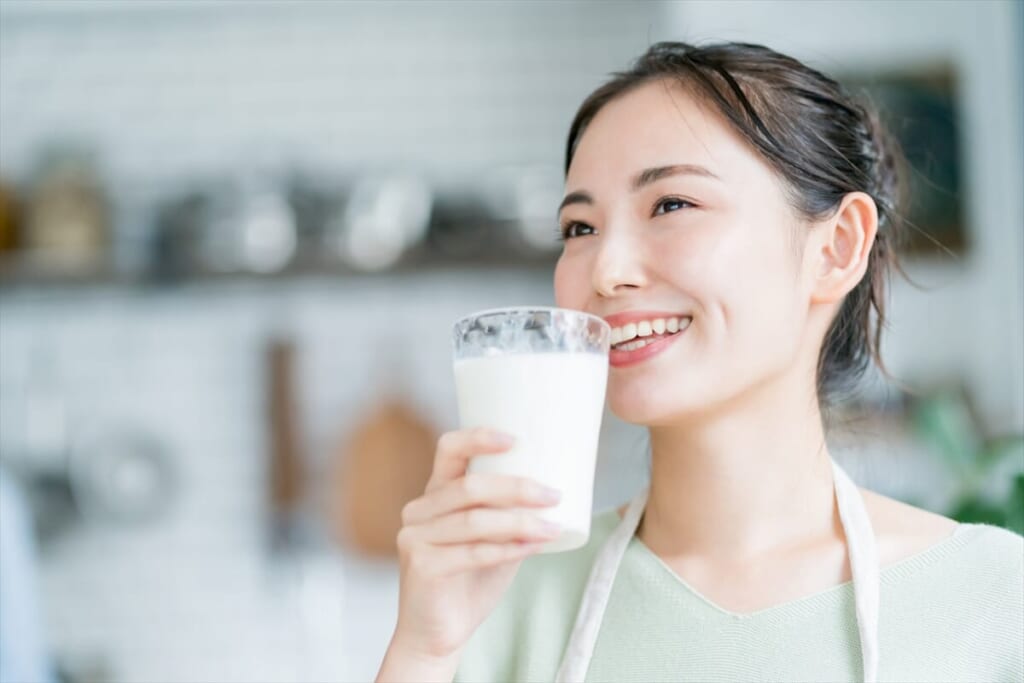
(864, 566)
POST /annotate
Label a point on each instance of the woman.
(747, 195)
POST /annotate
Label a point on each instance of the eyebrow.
(643, 179)
(649, 175)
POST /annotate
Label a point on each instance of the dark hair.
(822, 142)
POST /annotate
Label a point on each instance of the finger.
(454, 449)
(454, 559)
(490, 526)
(479, 489)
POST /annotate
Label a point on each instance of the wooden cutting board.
(384, 463)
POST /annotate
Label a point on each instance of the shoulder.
(975, 564)
(903, 530)
(524, 637)
(907, 532)
(997, 552)
(966, 593)
(953, 589)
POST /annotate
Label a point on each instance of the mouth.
(640, 347)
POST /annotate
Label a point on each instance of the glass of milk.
(539, 374)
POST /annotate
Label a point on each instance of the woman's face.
(670, 214)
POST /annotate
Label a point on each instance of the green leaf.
(944, 422)
(1015, 506)
(973, 510)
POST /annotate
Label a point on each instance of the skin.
(742, 496)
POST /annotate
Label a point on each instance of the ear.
(838, 249)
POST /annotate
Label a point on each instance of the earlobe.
(845, 247)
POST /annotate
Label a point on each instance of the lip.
(619, 359)
(620, 319)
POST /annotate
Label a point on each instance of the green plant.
(980, 465)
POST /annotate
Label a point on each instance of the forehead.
(660, 124)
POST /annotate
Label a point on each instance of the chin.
(641, 406)
(653, 403)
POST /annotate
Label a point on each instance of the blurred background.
(233, 239)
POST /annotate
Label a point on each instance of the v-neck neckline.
(813, 601)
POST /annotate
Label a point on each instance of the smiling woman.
(732, 214)
(810, 138)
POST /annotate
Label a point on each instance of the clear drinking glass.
(538, 373)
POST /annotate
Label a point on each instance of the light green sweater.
(954, 612)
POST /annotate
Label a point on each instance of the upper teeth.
(645, 328)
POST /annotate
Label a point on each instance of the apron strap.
(864, 566)
(595, 598)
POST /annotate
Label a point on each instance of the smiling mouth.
(639, 341)
(637, 351)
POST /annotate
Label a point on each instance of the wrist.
(405, 661)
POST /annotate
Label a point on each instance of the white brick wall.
(179, 89)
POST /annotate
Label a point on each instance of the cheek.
(571, 283)
(760, 300)
(744, 282)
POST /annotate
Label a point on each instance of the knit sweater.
(953, 612)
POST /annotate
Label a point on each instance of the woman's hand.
(460, 546)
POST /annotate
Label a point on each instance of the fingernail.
(549, 495)
(501, 438)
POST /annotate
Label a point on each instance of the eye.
(670, 204)
(572, 229)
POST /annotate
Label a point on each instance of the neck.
(742, 480)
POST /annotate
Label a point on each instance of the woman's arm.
(403, 664)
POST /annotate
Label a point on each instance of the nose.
(619, 265)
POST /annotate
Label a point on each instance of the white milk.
(552, 403)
